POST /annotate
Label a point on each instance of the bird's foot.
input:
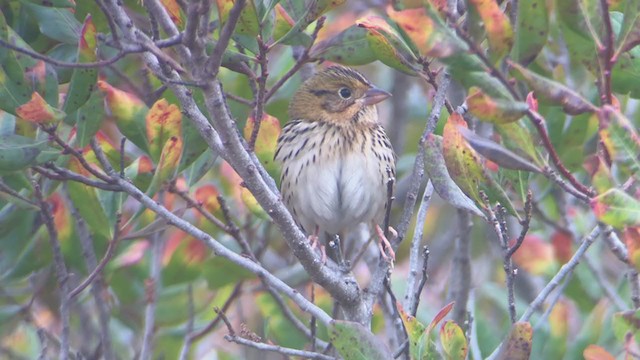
(385, 246)
(314, 241)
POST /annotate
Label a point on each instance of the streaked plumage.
(335, 154)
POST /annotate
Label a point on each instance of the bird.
(336, 159)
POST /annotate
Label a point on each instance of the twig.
(224, 319)
(302, 60)
(215, 60)
(277, 348)
(258, 109)
(97, 268)
(62, 174)
(186, 346)
(152, 289)
(60, 268)
(89, 255)
(198, 206)
(204, 331)
(606, 55)
(634, 285)
(412, 293)
(528, 207)
(461, 269)
(7, 190)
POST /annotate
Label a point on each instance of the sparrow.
(336, 157)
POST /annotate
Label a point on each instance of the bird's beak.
(374, 96)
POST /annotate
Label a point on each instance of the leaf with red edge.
(129, 112)
(621, 139)
(388, 45)
(415, 330)
(498, 111)
(167, 165)
(600, 173)
(497, 26)
(616, 208)
(248, 22)
(631, 237)
(595, 352)
(462, 161)
(207, 195)
(283, 23)
(83, 80)
(427, 31)
(173, 9)
(562, 243)
(535, 255)
(140, 171)
(453, 341)
(37, 110)
(441, 314)
(164, 122)
(266, 142)
(552, 92)
(518, 343)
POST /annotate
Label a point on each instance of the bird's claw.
(314, 241)
(385, 246)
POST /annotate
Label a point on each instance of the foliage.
(137, 189)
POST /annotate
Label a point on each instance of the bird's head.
(338, 95)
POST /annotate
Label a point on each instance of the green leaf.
(19, 152)
(497, 111)
(88, 119)
(519, 139)
(518, 343)
(389, 45)
(453, 341)
(56, 23)
(442, 181)
(548, 90)
(532, 29)
(621, 139)
(629, 33)
(83, 80)
(12, 93)
(200, 167)
(355, 342)
(616, 208)
(626, 323)
(349, 47)
(54, 3)
(220, 272)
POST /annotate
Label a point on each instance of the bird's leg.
(384, 245)
(314, 240)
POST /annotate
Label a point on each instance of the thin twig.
(207, 329)
(8, 190)
(606, 55)
(215, 60)
(412, 293)
(634, 285)
(461, 269)
(258, 109)
(277, 348)
(60, 268)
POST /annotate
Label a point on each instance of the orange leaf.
(559, 319)
(267, 139)
(535, 255)
(173, 9)
(207, 195)
(497, 111)
(121, 103)
(562, 243)
(164, 121)
(595, 352)
(631, 236)
(497, 26)
(37, 110)
(88, 44)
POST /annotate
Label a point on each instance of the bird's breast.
(334, 178)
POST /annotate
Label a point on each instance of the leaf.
(518, 343)
(631, 236)
(140, 171)
(518, 138)
(167, 165)
(37, 110)
(54, 3)
(388, 45)
(453, 341)
(442, 182)
(56, 23)
(595, 352)
(266, 142)
(283, 23)
(419, 341)
(463, 163)
(88, 119)
(629, 33)
(200, 167)
(600, 173)
(532, 28)
(441, 314)
(163, 121)
(83, 80)
(12, 93)
(355, 342)
(86, 200)
(497, 111)
(614, 207)
(548, 90)
(129, 112)
(626, 323)
(496, 153)
(248, 23)
(18, 152)
(497, 26)
(535, 255)
(620, 139)
(220, 272)
(207, 195)
(173, 9)
(349, 47)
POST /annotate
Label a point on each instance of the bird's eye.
(344, 93)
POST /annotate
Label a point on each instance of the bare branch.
(277, 349)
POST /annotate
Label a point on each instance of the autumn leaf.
(37, 110)
(163, 121)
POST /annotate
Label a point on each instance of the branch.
(277, 348)
(60, 268)
(215, 60)
(461, 269)
(606, 55)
